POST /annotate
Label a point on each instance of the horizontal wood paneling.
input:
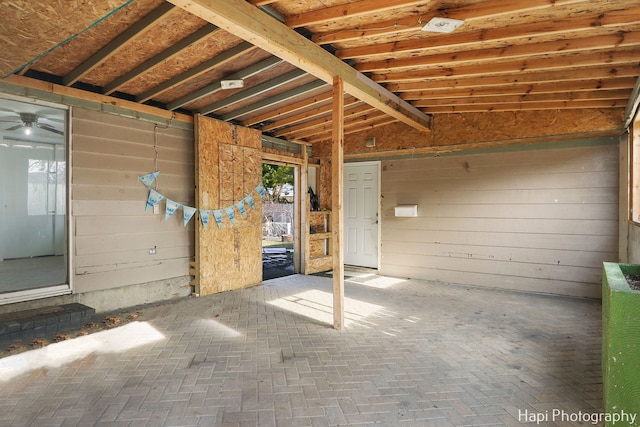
(541, 221)
(112, 231)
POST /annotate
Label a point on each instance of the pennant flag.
(148, 179)
(261, 190)
(249, 200)
(187, 214)
(217, 214)
(153, 199)
(204, 216)
(240, 207)
(171, 208)
(230, 213)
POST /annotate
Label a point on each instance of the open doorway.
(278, 221)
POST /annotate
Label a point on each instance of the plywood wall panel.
(230, 256)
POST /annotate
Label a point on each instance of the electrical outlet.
(156, 209)
(152, 251)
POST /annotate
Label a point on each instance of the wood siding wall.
(112, 232)
(541, 221)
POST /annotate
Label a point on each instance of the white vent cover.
(406, 210)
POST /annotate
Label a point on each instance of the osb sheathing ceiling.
(507, 56)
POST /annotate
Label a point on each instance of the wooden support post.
(337, 180)
(301, 220)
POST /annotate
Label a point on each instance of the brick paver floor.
(413, 353)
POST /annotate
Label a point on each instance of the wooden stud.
(337, 179)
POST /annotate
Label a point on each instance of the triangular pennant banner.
(187, 214)
(204, 216)
(249, 200)
(153, 199)
(230, 213)
(241, 209)
(148, 179)
(171, 208)
(261, 190)
(217, 214)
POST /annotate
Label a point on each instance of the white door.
(361, 203)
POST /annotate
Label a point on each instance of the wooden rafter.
(522, 89)
(158, 59)
(600, 73)
(253, 25)
(523, 106)
(344, 11)
(253, 91)
(198, 70)
(252, 70)
(288, 109)
(308, 114)
(117, 43)
(276, 99)
(588, 44)
(576, 61)
(586, 24)
(479, 11)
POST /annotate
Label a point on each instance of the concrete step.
(36, 323)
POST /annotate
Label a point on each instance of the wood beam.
(477, 11)
(158, 59)
(252, 70)
(323, 110)
(117, 43)
(345, 11)
(288, 109)
(601, 73)
(218, 60)
(251, 24)
(539, 105)
(523, 89)
(528, 51)
(519, 67)
(253, 91)
(337, 189)
(360, 113)
(607, 21)
(273, 100)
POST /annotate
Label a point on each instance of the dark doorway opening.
(278, 221)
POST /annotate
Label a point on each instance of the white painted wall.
(540, 221)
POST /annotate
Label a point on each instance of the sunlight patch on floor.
(318, 305)
(214, 326)
(374, 281)
(115, 340)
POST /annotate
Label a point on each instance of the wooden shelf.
(318, 256)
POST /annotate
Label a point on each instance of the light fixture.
(27, 128)
(442, 25)
(370, 141)
(231, 84)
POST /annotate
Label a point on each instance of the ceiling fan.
(28, 121)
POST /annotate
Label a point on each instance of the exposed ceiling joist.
(586, 24)
(196, 71)
(260, 29)
(345, 11)
(486, 9)
(217, 85)
(256, 106)
(287, 109)
(254, 91)
(159, 58)
(117, 43)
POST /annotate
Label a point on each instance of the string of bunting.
(189, 212)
